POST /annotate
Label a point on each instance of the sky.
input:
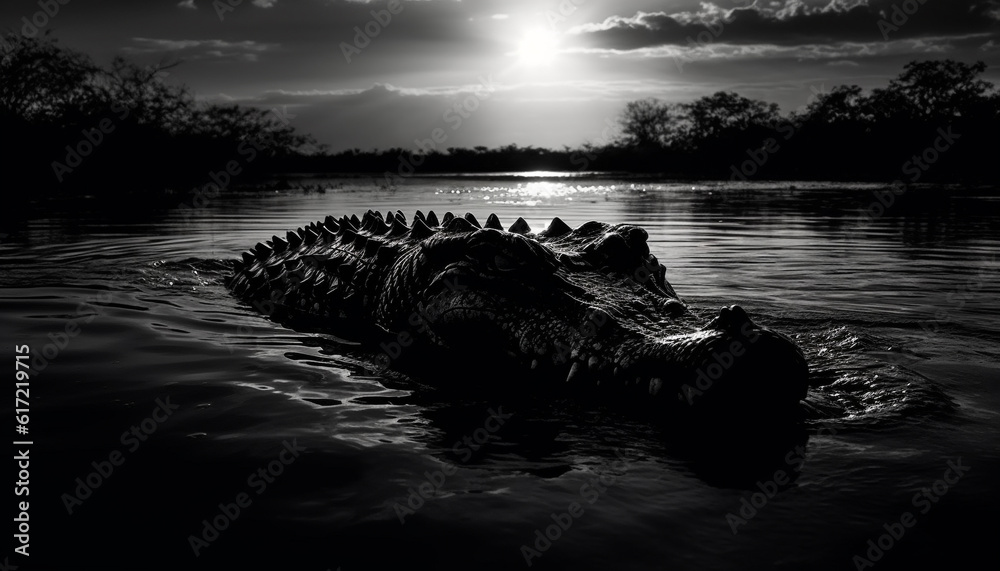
(546, 73)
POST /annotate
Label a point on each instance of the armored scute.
(588, 307)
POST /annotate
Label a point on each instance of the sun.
(537, 46)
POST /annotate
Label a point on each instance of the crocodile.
(589, 308)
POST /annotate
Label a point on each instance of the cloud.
(713, 59)
(247, 50)
(790, 22)
(190, 5)
(377, 92)
(833, 53)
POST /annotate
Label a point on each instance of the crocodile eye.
(505, 264)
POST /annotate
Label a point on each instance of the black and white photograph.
(339, 285)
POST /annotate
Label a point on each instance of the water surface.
(898, 316)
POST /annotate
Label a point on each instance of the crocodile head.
(589, 308)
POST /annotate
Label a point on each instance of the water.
(898, 318)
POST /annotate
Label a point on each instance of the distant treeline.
(70, 124)
(936, 121)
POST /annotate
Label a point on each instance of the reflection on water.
(897, 315)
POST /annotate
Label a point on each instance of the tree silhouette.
(944, 89)
(126, 127)
(648, 123)
(123, 126)
(844, 104)
(43, 83)
(726, 114)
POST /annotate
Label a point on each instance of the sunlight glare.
(538, 46)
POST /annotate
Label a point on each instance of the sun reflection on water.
(536, 193)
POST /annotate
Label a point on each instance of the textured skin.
(589, 307)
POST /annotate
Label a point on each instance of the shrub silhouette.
(72, 124)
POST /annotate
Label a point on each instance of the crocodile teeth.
(574, 372)
(655, 384)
